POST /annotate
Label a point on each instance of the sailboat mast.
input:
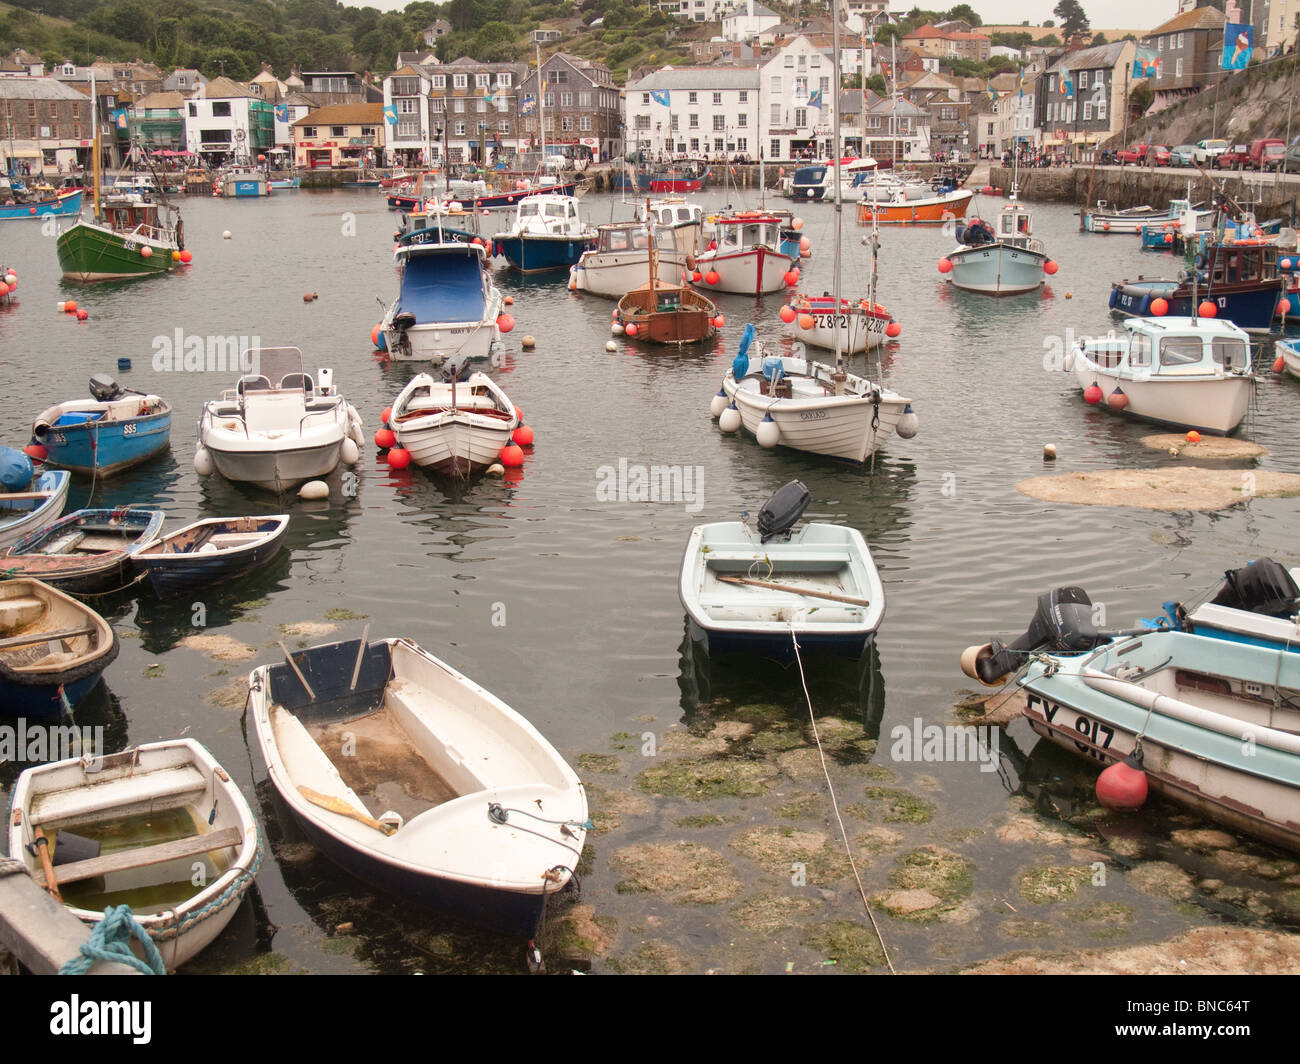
(94, 117)
(541, 103)
(839, 191)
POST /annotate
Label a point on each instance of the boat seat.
(458, 738)
(82, 804)
(224, 540)
(66, 544)
(253, 382)
(787, 562)
(19, 611)
(297, 382)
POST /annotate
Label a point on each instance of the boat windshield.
(528, 208)
(1139, 351)
(1180, 351)
(1231, 353)
(281, 366)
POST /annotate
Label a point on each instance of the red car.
(1137, 153)
(1161, 152)
(1234, 158)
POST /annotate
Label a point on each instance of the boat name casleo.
(629, 482)
(179, 353)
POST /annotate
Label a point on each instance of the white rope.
(794, 640)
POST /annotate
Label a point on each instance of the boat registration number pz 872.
(1093, 735)
(831, 321)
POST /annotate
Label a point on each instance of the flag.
(815, 100)
(1238, 40)
(528, 105)
(1146, 63)
(120, 119)
(661, 96)
(282, 112)
(1020, 84)
(390, 114)
(993, 95)
(1066, 87)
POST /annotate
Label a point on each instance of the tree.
(965, 13)
(1048, 24)
(1073, 20)
(1100, 39)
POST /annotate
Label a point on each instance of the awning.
(22, 149)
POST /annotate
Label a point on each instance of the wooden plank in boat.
(33, 638)
(143, 856)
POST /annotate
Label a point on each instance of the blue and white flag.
(528, 105)
(815, 100)
(390, 114)
(282, 112)
(661, 96)
(1238, 40)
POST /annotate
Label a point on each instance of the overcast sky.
(1109, 14)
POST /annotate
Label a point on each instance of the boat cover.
(446, 285)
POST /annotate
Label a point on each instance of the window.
(566, 122)
(460, 81)
(789, 61)
(337, 131)
(642, 121)
(717, 144)
(503, 126)
(1101, 108)
(803, 62)
(742, 120)
(717, 99)
(774, 148)
(557, 77)
(742, 144)
(406, 87)
(407, 107)
(1180, 351)
(458, 106)
(309, 132)
(744, 96)
(1139, 350)
(719, 123)
(774, 118)
(1178, 67)
(566, 99)
(550, 100)
(367, 131)
(1083, 79)
(584, 99)
(438, 104)
(220, 109)
(816, 60)
(673, 121)
(504, 79)
(439, 81)
(1180, 40)
(776, 85)
(801, 86)
(825, 86)
(482, 81)
(460, 129)
(585, 123)
(480, 106)
(1231, 353)
(408, 129)
(695, 144)
(693, 98)
(645, 99)
(800, 117)
(194, 110)
(693, 121)
(1087, 112)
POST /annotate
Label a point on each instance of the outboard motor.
(785, 506)
(403, 321)
(1062, 623)
(1264, 587)
(456, 368)
(104, 389)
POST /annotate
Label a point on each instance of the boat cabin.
(1175, 347)
(1242, 261)
(545, 214)
(132, 213)
(742, 231)
(632, 236)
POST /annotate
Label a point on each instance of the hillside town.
(759, 86)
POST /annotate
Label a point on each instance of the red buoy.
(945, 265)
(788, 314)
(1283, 305)
(505, 322)
(1124, 784)
(1279, 364)
(82, 315)
(712, 277)
(385, 438)
(1050, 268)
(1207, 309)
(1117, 400)
(512, 455)
(893, 329)
(386, 416)
(720, 320)
(1159, 307)
(1092, 393)
(806, 321)
(631, 329)
(399, 458)
(36, 451)
(187, 256)
(523, 436)
(374, 336)
(791, 278)
(696, 276)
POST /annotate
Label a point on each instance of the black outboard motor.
(1062, 622)
(456, 368)
(104, 389)
(403, 321)
(1264, 587)
(782, 510)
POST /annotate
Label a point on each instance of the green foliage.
(1100, 38)
(966, 13)
(1073, 19)
(1020, 41)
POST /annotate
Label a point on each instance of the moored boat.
(911, 205)
(621, 258)
(28, 501)
(111, 431)
(171, 834)
(87, 551)
(278, 427)
(1289, 352)
(53, 650)
(210, 550)
(1190, 373)
(453, 799)
(547, 234)
(750, 256)
(1002, 259)
(1258, 603)
(63, 203)
(667, 314)
(758, 588)
(457, 425)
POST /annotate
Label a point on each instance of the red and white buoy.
(1124, 784)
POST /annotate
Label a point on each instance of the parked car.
(1159, 153)
(1208, 150)
(1267, 154)
(1234, 158)
(1136, 153)
(1182, 155)
(1292, 163)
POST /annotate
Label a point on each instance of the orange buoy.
(1159, 307)
(1193, 436)
(1124, 784)
(1279, 364)
(712, 277)
(945, 265)
(1207, 309)
(893, 329)
(505, 322)
(399, 458)
(523, 436)
(512, 455)
(806, 321)
(787, 313)
(1050, 267)
(385, 438)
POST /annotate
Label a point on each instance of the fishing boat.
(748, 258)
(456, 426)
(1239, 278)
(758, 588)
(1289, 352)
(111, 431)
(87, 551)
(162, 828)
(621, 258)
(453, 799)
(211, 550)
(999, 260)
(284, 183)
(446, 302)
(890, 204)
(547, 234)
(1190, 373)
(243, 181)
(667, 314)
(811, 182)
(366, 178)
(1103, 220)
(53, 650)
(277, 427)
(683, 218)
(688, 177)
(1214, 723)
(62, 203)
(28, 500)
(1173, 234)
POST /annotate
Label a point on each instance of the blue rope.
(111, 941)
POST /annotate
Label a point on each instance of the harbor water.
(555, 587)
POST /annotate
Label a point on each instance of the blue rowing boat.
(111, 431)
(65, 203)
(214, 549)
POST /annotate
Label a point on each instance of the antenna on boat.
(839, 377)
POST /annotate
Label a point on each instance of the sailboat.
(128, 237)
(805, 405)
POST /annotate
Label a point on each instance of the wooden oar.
(43, 849)
(361, 654)
(794, 590)
(32, 638)
(297, 671)
(338, 805)
(17, 496)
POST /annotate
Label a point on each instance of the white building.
(226, 118)
(406, 94)
(798, 100)
(696, 10)
(694, 111)
(747, 20)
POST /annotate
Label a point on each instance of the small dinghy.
(213, 549)
(113, 430)
(1258, 604)
(161, 828)
(52, 650)
(413, 777)
(456, 426)
(86, 552)
(757, 589)
(1214, 723)
(28, 502)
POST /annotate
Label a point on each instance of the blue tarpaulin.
(442, 284)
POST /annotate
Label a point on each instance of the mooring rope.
(803, 680)
(111, 941)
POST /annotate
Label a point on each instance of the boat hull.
(931, 210)
(460, 444)
(1250, 307)
(1206, 404)
(277, 470)
(536, 253)
(171, 574)
(21, 518)
(58, 207)
(997, 269)
(89, 252)
(104, 448)
(614, 274)
(856, 328)
(754, 271)
(1290, 352)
